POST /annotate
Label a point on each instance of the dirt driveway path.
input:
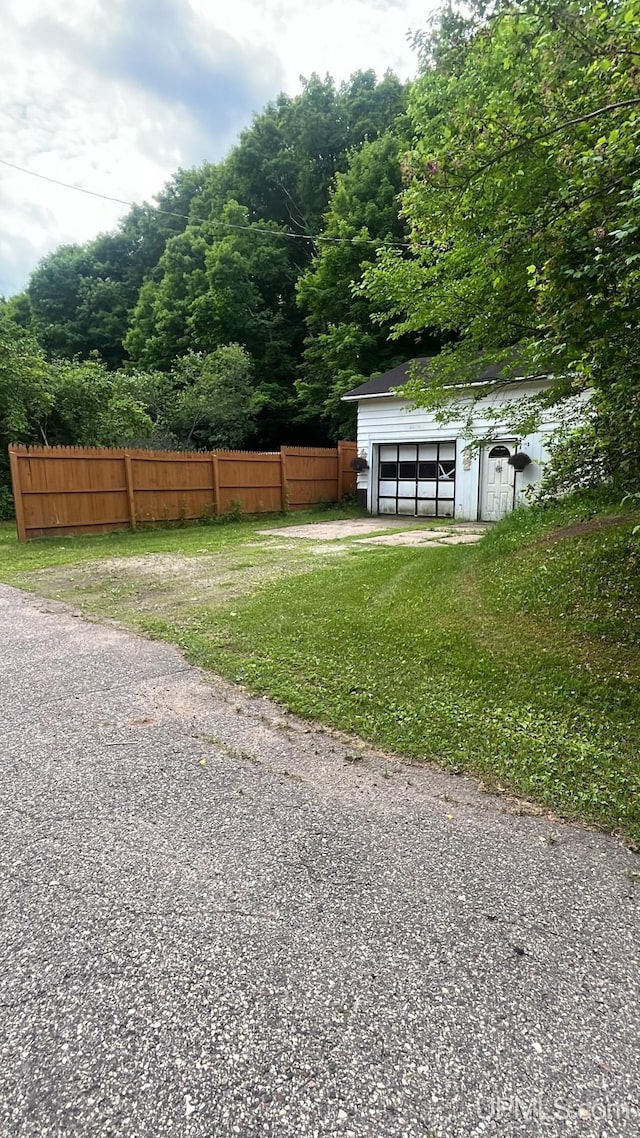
(216, 920)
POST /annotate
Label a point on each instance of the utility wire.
(205, 221)
(65, 185)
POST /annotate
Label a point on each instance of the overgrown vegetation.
(517, 660)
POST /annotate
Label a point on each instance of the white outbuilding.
(418, 467)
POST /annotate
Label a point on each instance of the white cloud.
(114, 95)
(335, 36)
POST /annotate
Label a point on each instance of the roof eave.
(374, 395)
(450, 387)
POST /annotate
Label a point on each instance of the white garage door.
(418, 479)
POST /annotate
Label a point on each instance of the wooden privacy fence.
(68, 490)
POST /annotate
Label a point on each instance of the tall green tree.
(231, 275)
(81, 297)
(159, 330)
(227, 280)
(250, 281)
(284, 165)
(344, 346)
(523, 201)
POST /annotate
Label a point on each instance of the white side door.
(498, 480)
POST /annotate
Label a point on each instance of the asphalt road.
(213, 922)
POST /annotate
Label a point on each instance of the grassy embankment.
(518, 659)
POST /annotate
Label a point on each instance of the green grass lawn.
(518, 659)
(188, 539)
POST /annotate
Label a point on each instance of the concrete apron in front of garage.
(364, 530)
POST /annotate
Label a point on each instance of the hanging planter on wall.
(519, 461)
(359, 463)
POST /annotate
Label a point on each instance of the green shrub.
(7, 510)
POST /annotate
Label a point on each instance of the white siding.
(393, 420)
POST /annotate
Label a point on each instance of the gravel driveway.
(217, 920)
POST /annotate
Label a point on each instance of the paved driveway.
(214, 922)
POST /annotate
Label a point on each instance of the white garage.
(417, 467)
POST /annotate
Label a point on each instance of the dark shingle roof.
(382, 384)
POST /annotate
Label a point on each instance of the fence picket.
(17, 495)
(131, 494)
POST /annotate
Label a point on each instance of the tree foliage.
(25, 396)
(523, 201)
(215, 405)
(232, 274)
(61, 402)
(207, 401)
(344, 346)
(80, 298)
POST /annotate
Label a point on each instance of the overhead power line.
(65, 185)
(315, 237)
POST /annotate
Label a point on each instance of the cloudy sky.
(114, 95)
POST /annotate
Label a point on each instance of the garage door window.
(417, 479)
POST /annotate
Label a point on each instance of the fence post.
(216, 481)
(14, 461)
(283, 480)
(131, 498)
